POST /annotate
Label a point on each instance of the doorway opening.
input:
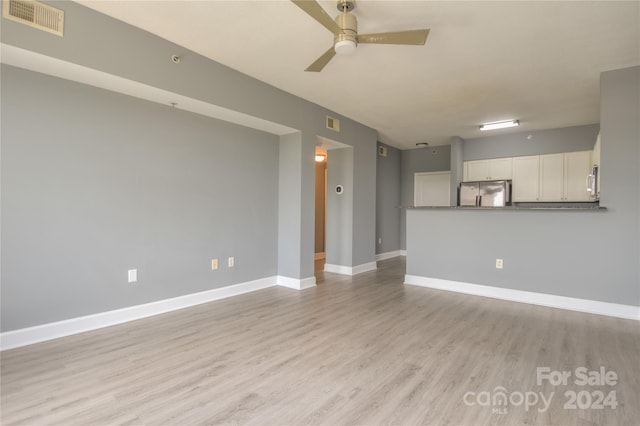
(333, 210)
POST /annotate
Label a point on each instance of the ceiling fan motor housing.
(349, 34)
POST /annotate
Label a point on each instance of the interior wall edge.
(296, 283)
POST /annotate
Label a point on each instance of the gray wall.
(340, 229)
(364, 202)
(96, 41)
(289, 198)
(412, 161)
(582, 254)
(95, 183)
(387, 201)
(551, 141)
(620, 158)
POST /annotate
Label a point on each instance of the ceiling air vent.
(333, 124)
(34, 14)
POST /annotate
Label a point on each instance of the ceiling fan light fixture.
(344, 28)
(499, 125)
(345, 47)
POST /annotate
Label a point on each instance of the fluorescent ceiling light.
(320, 158)
(499, 125)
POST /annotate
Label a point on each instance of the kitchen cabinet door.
(493, 169)
(552, 177)
(477, 170)
(595, 157)
(577, 166)
(500, 168)
(526, 178)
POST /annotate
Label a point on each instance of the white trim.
(550, 300)
(54, 330)
(350, 270)
(337, 269)
(403, 253)
(388, 255)
(365, 267)
(38, 62)
(296, 283)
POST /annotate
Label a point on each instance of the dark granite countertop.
(563, 207)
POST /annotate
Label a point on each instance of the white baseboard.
(550, 300)
(350, 270)
(54, 330)
(338, 269)
(365, 267)
(403, 252)
(41, 333)
(296, 283)
(388, 255)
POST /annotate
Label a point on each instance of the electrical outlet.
(499, 264)
(379, 240)
(132, 275)
(214, 264)
(231, 262)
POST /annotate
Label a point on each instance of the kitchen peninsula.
(562, 254)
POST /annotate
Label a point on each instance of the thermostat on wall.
(339, 189)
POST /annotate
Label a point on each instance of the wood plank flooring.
(363, 350)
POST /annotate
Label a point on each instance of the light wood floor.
(353, 351)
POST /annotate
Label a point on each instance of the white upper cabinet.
(493, 169)
(501, 168)
(476, 170)
(577, 166)
(526, 178)
(595, 157)
(544, 178)
(552, 177)
(563, 177)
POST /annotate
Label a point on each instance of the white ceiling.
(538, 62)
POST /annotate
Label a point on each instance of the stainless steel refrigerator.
(494, 193)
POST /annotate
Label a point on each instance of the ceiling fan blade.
(322, 60)
(413, 37)
(314, 10)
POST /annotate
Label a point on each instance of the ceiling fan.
(345, 31)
